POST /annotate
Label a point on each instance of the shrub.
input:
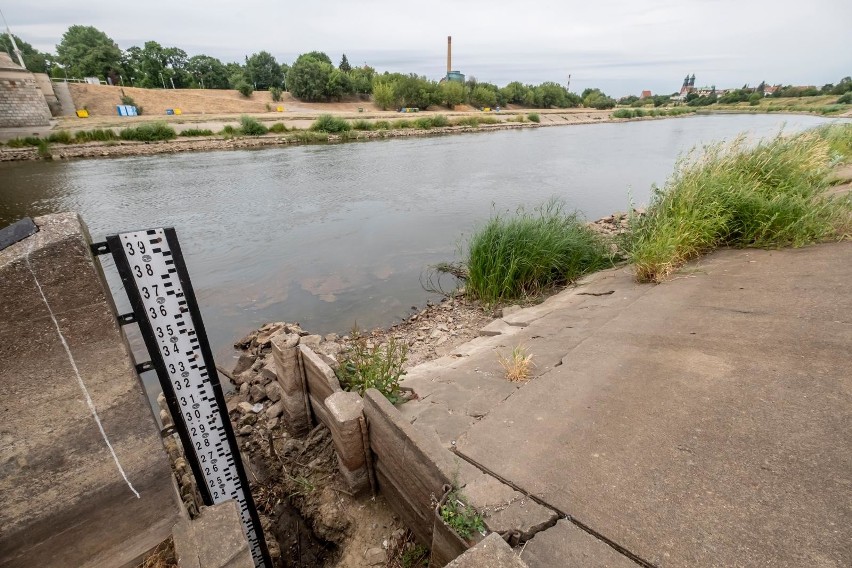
(60, 137)
(362, 125)
(638, 113)
(424, 123)
(329, 123)
(191, 132)
(439, 121)
(378, 367)
(128, 100)
(466, 121)
(845, 99)
(275, 93)
(44, 149)
(770, 195)
(251, 127)
(96, 135)
(153, 132)
(402, 123)
(244, 88)
(513, 257)
(229, 130)
(623, 113)
(278, 128)
(307, 136)
(534, 117)
(382, 125)
(23, 142)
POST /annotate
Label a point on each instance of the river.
(337, 234)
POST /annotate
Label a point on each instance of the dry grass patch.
(518, 365)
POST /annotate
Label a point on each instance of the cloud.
(627, 46)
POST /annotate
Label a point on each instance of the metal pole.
(163, 80)
(14, 44)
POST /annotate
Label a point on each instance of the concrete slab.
(84, 478)
(215, 539)
(707, 423)
(490, 552)
(568, 546)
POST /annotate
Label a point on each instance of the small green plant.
(401, 124)
(382, 125)
(424, 123)
(96, 135)
(330, 123)
(416, 556)
(362, 125)
(251, 127)
(275, 93)
(192, 132)
(367, 366)
(278, 128)
(60, 137)
(44, 149)
(229, 131)
(460, 516)
(534, 117)
(154, 132)
(439, 121)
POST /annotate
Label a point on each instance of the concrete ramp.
(63, 93)
(708, 423)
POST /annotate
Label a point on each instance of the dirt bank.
(202, 144)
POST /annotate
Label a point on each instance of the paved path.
(706, 421)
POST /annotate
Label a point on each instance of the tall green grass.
(251, 127)
(521, 255)
(769, 195)
(153, 132)
(330, 123)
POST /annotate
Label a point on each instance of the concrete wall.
(84, 479)
(22, 103)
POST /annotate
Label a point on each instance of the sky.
(622, 47)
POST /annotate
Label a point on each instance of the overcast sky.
(620, 46)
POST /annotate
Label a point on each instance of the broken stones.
(273, 391)
(376, 557)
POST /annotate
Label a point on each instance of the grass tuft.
(770, 195)
(518, 365)
(153, 132)
(330, 123)
(193, 132)
(513, 257)
(251, 127)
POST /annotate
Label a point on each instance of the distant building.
(646, 95)
(770, 90)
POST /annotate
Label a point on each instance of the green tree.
(85, 51)
(482, 97)
(362, 79)
(384, 95)
(308, 78)
(595, 98)
(550, 94)
(514, 93)
(156, 66)
(318, 55)
(344, 64)
(34, 60)
(264, 71)
(452, 93)
(207, 72)
(337, 85)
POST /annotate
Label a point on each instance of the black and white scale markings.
(164, 305)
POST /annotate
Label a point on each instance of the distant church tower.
(692, 81)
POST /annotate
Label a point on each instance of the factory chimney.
(449, 54)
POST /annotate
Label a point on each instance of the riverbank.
(115, 148)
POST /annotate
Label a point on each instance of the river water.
(338, 234)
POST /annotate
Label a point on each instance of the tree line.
(85, 51)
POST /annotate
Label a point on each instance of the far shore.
(298, 123)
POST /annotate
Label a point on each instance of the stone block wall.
(21, 101)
